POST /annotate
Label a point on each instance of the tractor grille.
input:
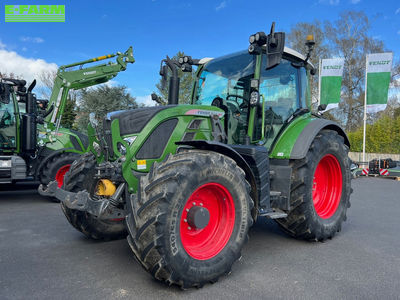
(155, 144)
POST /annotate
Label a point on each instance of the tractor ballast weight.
(195, 177)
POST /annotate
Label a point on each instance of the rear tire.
(176, 248)
(81, 177)
(56, 168)
(320, 189)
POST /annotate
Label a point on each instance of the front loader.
(33, 144)
(190, 180)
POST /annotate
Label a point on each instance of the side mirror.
(33, 84)
(4, 93)
(275, 47)
(164, 75)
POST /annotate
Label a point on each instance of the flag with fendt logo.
(379, 67)
(331, 72)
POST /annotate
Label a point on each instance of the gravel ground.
(43, 257)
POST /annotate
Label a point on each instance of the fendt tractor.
(190, 180)
(33, 144)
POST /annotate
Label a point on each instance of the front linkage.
(103, 208)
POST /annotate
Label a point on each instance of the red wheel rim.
(205, 243)
(327, 186)
(61, 173)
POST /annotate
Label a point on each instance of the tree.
(185, 86)
(349, 37)
(101, 100)
(383, 136)
(68, 117)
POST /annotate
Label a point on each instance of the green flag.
(379, 67)
(331, 71)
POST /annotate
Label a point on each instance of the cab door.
(8, 122)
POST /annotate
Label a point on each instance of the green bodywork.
(68, 79)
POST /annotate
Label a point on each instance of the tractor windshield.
(225, 82)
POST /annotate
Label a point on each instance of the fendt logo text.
(338, 67)
(35, 13)
(382, 62)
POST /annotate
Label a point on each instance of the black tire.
(303, 221)
(53, 165)
(81, 177)
(154, 217)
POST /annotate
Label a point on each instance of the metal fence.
(357, 156)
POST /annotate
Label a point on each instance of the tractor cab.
(10, 113)
(226, 82)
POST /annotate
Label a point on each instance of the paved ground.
(42, 256)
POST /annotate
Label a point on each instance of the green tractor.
(190, 180)
(33, 144)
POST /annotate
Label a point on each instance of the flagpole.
(319, 83)
(365, 106)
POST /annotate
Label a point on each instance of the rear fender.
(308, 134)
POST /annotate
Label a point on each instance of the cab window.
(7, 124)
(280, 91)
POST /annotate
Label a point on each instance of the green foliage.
(185, 86)
(101, 100)
(382, 137)
(68, 117)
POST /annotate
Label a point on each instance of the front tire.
(81, 177)
(56, 168)
(320, 189)
(190, 218)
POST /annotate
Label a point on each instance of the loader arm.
(85, 76)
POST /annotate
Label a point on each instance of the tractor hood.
(133, 120)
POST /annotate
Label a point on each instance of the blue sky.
(156, 28)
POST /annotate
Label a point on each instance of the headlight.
(121, 148)
(130, 139)
(254, 98)
(5, 163)
(96, 147)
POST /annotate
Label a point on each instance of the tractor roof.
(288, 51)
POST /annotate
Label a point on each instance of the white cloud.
(26, 68)
(146, 100)
(330, 2)
(354, 1)
(30, 39)
(2, 46)
(222, 5)
(397, 11)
